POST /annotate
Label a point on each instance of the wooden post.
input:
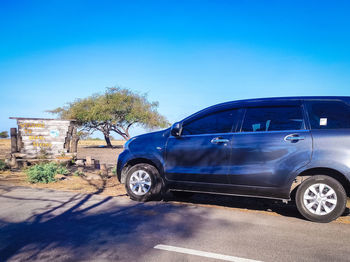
(13, 140)
(75, 140)
(19, 141)
(13, 162)
(97, 164)
(88, 161)
(103, 167)
(104, 170)
(68, 138)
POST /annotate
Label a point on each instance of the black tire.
(157, 185)
(340, 197)
(182, 194)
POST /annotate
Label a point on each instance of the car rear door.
(273, 142)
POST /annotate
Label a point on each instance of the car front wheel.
(143, 183)
(321, 199)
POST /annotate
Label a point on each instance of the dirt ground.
(5, 147)
(97, 150)
(106, 156)
(103, 183)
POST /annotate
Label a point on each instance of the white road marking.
(203, 253)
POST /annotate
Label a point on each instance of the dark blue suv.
(272, 148)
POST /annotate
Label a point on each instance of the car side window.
(273, 119)
(328, 114)
(217, 122)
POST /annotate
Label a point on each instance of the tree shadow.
(97, 179)
(88, 227)
(104, 146)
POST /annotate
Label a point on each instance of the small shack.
(36, 139)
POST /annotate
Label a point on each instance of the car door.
(202, 152)
(272, 144)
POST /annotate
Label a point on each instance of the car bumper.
(122, 160)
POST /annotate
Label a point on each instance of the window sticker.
(323, 121)
(256, 127)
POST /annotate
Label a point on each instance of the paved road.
(37, 224)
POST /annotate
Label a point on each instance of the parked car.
(269, 148)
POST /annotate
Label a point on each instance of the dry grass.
(107, 185)
(5, 147)
(85, 143)
(5, 144)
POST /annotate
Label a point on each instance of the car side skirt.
(234, 190)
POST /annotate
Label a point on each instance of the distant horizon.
(187, 55)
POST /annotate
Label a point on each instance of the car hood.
(148, 142)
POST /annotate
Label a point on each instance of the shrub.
(45, 172)
(4, 134)
(78, 173)
(3, 165)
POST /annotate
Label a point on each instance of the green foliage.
(3, 165)
(78, 173)
(115, 110)
(114, 170)
(45, 172)
(4, 134)
(83, 135)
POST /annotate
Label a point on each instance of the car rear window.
(273, 119)
(328, 114)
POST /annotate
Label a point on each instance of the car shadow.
(248, 203)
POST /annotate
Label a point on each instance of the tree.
(117, 110)
(4, 134)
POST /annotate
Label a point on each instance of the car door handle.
(294, 138)
(218, 140)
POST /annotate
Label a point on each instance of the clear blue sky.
(185, 54)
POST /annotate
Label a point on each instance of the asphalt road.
(46, 225)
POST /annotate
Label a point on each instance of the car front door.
(272, 144)
(202, 152)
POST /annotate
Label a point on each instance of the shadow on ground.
(104, 146)
(82, 227)
(248, 203)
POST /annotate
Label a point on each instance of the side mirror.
(175, 129)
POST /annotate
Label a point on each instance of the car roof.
(266, 101)
(291, 98)
(273, 100)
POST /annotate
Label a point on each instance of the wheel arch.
(139, 160)
(337, 175)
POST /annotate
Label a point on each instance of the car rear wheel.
(143, 183)
(321, 199)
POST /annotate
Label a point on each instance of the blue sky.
(185, 54)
